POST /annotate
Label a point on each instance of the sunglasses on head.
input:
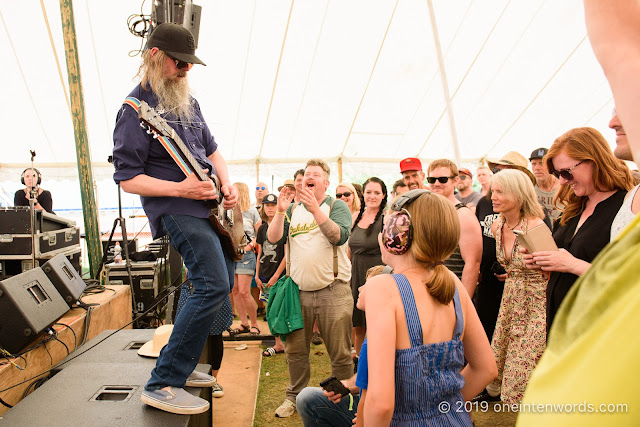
(345, 194)
(261, 188)
(440, 179)
(566, 173)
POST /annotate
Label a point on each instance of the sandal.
(271, 352)
(254, 333)
(243, 329)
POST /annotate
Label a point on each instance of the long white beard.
(174, 96)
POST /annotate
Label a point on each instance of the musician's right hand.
(193, 188)
(284, 198)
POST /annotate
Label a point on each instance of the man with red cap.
(412, 174)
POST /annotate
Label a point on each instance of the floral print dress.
(520, 335)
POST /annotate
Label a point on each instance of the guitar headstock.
(154, 121)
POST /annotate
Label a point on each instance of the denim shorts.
(247, 265)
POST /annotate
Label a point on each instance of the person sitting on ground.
(271, 262)
(547, 185)
(246, 267)
(421, 316)
(465, 260)
(31, 178)
(321, 408)
(593, 184)
(466, 195)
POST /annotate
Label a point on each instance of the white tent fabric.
(353, 80)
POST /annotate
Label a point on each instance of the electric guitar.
(227, 224)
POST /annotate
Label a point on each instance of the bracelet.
(280, 213)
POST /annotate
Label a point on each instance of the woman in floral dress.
(520, 335)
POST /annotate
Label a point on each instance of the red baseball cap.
(466, 172)
(410, 164)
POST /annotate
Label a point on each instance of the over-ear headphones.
(38, 174)
(397, 233)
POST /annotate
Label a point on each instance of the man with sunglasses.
(547, 184)
(466, 195)
(179, 207)
(442, 177)
(262, 190)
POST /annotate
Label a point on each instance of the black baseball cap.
(538, 153)
(269, 198)
(176, 41)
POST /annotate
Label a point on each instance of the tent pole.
(339, 170)
(85, 174)
(445, 85)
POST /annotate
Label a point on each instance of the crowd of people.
(431, 290)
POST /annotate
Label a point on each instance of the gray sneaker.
(286, 409)
(199, 379)
(216, 389)
(175, 400)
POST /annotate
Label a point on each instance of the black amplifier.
(18, 265)
(149, 279)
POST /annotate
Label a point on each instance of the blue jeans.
(316, 409)
(210, 271)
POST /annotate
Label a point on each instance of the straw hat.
(287, 183)
(160, 339)
(514, 160)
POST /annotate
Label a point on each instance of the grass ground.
(274, 379)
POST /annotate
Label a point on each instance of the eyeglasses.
(566, 173)
(440, 179)
(181, 65)
(463, 177)
(261, 188)
(345, 194)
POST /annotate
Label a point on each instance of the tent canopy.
(352, 80)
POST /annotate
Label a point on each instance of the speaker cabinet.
(29, 303)
(65, 278)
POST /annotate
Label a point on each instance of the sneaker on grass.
(316, 338)
(175, 400)
(286, 409)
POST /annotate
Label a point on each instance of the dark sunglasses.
(463, 177)
(261, 188)
(566, 173)
(345, 194)
(440, 179)
(181, 65)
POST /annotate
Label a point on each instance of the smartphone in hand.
(334, 385)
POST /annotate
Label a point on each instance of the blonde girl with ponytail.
(421, 323)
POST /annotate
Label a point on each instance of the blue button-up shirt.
(135, 152)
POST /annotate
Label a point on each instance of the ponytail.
(442, 285)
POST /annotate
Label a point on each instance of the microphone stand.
(33, 193)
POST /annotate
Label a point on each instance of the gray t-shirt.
(471, 199)
(249, 219)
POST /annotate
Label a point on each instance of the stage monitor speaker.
(29, 304)
(65, 278)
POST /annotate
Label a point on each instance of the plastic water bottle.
(117, 253)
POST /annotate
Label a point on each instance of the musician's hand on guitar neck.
(230, 194)
(193, 188)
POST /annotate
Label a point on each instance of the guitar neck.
(171, 140)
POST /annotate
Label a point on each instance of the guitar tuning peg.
(155, 135)
(149, 131)
(142, 125)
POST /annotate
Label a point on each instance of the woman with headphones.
(421, 323)
(32, 178)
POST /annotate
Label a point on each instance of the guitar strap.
(335, 248)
